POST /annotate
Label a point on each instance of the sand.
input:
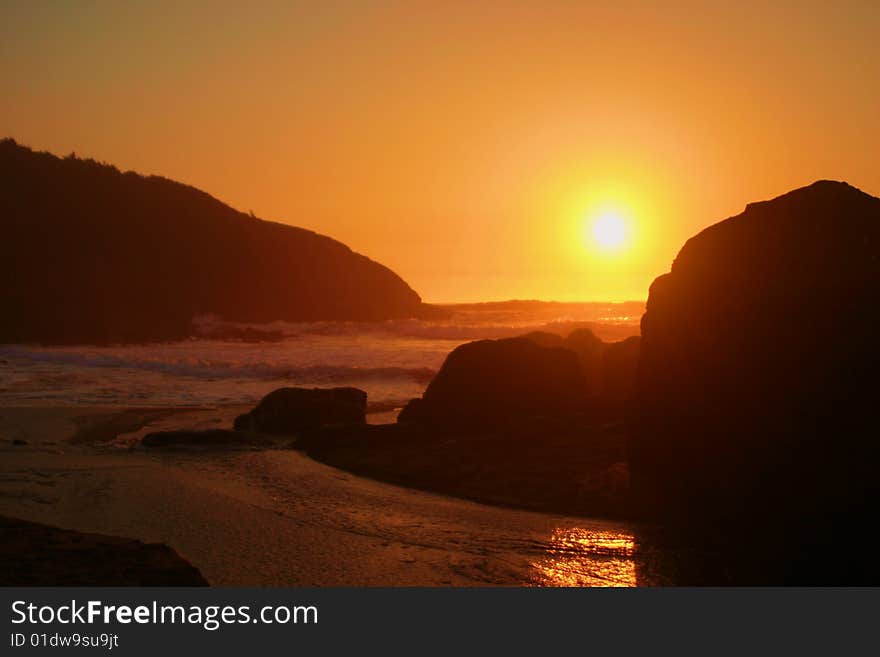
(278, 518)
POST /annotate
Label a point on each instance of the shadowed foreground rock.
(496, 382)
(204, 438)
(32, 554)
(492, 383)
(569, 465)
(289, 410)
(757, 427)
(617, 376)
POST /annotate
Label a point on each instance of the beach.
(72, 417)
(275, 517)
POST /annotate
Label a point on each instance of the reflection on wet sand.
(588, 557)
(214, 507)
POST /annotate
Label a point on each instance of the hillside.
(92, 254)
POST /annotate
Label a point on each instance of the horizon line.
(548, 301)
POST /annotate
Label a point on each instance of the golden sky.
(467, 145)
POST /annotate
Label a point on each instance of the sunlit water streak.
(588, 557)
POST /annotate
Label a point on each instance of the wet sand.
(278, 518)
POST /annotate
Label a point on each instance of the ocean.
(271, 517)
(393, 361)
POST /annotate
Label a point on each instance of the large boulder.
(545, 338)
(290, 410)
(589, 350)
(757, 386)
(494, 382)
(609, 368)
(617, 374)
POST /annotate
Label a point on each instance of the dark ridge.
(92, 254)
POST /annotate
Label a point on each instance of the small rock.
(288, 411)
(207, 438)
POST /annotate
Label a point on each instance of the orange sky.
(466, 145)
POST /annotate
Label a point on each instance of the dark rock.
(589, 350)
(32, 554)
(290, 410)
(205, 438)
(413, 413)
(620, 361)
(80, 240)
(545, 338)
(757, 388)
(567, 467)
(504, 380)
(491, 382)
(19, 441)
(609, 368)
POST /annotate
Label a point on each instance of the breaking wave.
(232, 363)
(212, 369)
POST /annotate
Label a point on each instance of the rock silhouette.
(495, 382)
(491, 383)
(196, 438)
(589, 350)
(756, 433)
(290, 410)
(91, 254)
(33, 554)
(617, 371)
(609, 368)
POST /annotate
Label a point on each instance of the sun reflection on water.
(588, 557)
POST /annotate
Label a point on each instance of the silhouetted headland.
(92, 254)
(756, 435)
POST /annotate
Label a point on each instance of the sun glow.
(609, 230)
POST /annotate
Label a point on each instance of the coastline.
(278, 517)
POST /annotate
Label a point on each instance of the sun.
(609, 230)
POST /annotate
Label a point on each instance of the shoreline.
(375, 456)
(279, 517)
(578, 471)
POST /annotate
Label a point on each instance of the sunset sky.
(470, 146)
